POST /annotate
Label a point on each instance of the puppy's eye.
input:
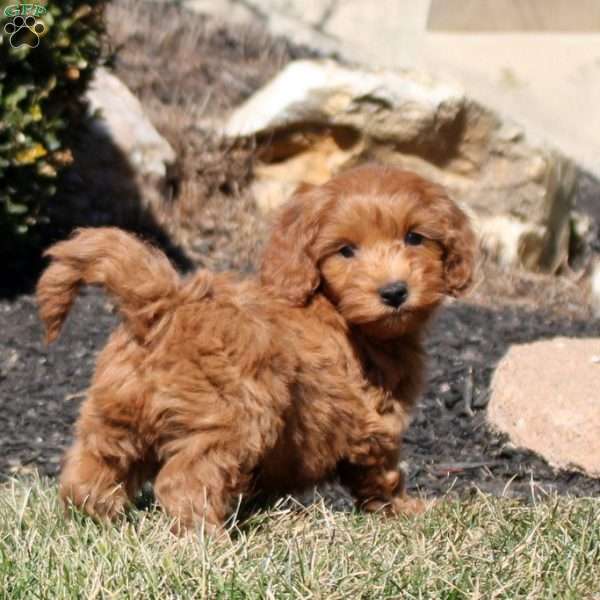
(412, 238)
(347, 251)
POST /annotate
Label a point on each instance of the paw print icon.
(24, 31)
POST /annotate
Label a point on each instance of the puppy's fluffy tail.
(140, 278)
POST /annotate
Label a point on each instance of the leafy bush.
(42, 78)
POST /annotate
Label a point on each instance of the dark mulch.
(448, 445)
(184, 69)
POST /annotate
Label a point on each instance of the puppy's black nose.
(394, 294)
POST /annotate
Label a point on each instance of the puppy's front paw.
(409, 505)
(399, 505)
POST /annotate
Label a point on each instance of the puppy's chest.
(332, 406)
(331, 414)
(347, 379)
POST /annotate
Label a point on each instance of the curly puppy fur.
(218, 387)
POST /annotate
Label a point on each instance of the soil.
(448, 447)
(210, 220)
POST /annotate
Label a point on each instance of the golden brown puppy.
(219, 387)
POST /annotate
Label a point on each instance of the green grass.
(480, 548)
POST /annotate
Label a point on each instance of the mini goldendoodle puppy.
(219, 387)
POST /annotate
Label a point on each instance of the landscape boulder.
(317, 117)
(546, 397)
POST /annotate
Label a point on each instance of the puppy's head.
(384, 245)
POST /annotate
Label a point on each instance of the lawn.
(483, 547)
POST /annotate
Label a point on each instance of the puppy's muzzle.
(394, 294)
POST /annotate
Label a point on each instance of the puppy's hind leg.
(197, 486)
(96, 474)
(92, 484)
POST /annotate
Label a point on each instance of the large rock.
(546, 397)
(120, 118)
(317, 117)
(550, 82)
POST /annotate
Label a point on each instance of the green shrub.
(40, 91)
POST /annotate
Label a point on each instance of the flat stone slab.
(546, 398)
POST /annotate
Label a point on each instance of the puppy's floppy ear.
(460, 246)
(288, 265)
